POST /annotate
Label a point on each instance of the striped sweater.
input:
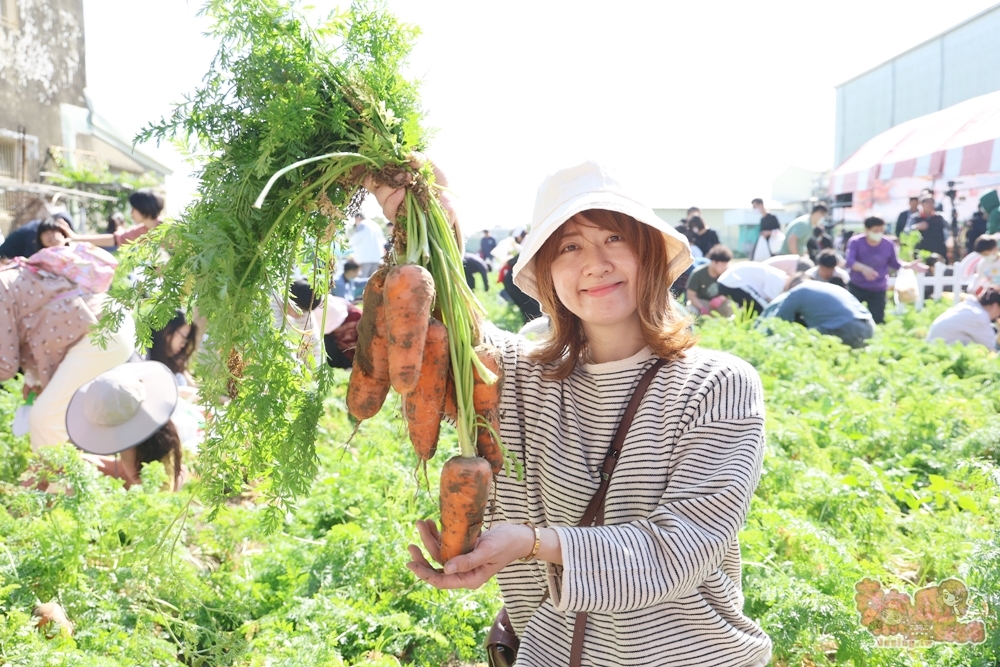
(661, 579)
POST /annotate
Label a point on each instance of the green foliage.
(908, 245)
(14, 452)
(880, 462)
(147, 581)
(279, 91)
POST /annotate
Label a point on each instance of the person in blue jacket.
(827, 308)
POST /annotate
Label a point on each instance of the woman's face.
(178, 339)
(52, 237)
(595, 275)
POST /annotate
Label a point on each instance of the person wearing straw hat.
(654, 579)
(122, 419)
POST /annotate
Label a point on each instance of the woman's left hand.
(496, 548)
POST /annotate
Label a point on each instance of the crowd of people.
(603, 267)
(101, 396)
(121, 408)
(53, 280)
(798, 273)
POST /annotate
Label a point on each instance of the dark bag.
(502, 642)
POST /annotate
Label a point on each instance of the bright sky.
(694, 103)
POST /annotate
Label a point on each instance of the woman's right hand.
(390, 196)
(495, 549)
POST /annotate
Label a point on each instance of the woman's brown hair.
(159, 350)
(665, 329)
(164, 446)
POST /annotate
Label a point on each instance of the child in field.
(988, 267)
(657, 580)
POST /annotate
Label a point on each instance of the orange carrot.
(408, 297)
(450, 401)
(365, 393)
(372, 322)
(465, 486)
(369, 383)
(422, 407)
(486, 401)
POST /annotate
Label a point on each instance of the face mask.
(875, 237)
(990, 258)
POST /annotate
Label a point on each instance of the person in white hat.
(122, 418)
(660, 580)
(324, 326)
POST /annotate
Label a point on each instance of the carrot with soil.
(486, 401)
(369, 382)
(423, 406)
(408, 298)
(450, 404)
(465, 486)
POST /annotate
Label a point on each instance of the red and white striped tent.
(960, 143)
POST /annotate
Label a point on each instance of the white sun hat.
(580, 188)
(122, 407)
(336, 313)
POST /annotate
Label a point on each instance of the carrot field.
(882, 463)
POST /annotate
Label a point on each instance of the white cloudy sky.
(695, 103)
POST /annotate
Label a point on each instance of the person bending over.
(703, 286)
(827, 308)
(970, 321)
(45, 323)
(753, 284)
(827, 269)
(121, 419)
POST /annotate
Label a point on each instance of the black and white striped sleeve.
(711, 477)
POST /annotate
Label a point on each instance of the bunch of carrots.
(403, 344)
(419, 334)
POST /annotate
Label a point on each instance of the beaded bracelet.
(538, 543)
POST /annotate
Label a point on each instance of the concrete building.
(44, 109)
(959, 64)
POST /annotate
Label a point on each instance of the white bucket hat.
(583, 187)
(122, 407)
(336, 313)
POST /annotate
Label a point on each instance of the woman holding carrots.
(660, 580)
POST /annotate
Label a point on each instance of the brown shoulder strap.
(594, 514)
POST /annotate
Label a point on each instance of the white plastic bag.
(906, 286)
(21, 425)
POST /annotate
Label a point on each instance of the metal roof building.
(959, 64)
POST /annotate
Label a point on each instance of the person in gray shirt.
(827, 308)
